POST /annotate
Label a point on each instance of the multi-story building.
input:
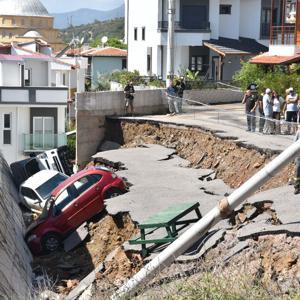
(33, 103)
(285, 36)
(27, 20)
(211, 36)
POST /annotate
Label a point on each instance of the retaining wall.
(15, 258)
(93, 107)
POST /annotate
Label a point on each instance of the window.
(143, 33)
(124, 64)
(43, 133)
(22, 22)
(135, 33)
(148, 62)
(29, 193)
(13, 21)
(10, 35)
(64, 79)
(196, 63)
(3, 21)
(225, 9)
(7, 129)
(84, 183)
(62, 201)
(27, 77)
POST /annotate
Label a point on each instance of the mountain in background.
(86, 16)
(110, 28)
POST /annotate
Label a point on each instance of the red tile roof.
(268, 59)
(107, 51)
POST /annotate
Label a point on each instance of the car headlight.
(31, 238)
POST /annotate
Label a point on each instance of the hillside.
(110, 28)
(86, 16)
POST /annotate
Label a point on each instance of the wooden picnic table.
(171, 219)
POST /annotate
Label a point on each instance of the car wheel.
(51, 242)
(113, 192)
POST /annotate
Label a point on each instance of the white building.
(32, 104)
(211, 36)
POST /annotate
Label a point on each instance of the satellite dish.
(104, 40)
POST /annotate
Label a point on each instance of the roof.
(91, 52)
(242, 46)
(268, 59)
(32, 34)
(39, 178)
(23, 8)
(9, 57)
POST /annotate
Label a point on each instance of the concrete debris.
(235, 250)
(88, 293)
(74, 239)
(85, 283)
(49, 295)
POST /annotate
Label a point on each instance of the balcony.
(33, 95)
(283, 35)
(203, 26)
(43, 142)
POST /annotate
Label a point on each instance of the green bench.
(171, 220)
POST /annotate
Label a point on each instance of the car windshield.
(46, 188)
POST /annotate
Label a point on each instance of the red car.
(73, 202)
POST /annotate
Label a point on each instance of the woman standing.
(277, 104)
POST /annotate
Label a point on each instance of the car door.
(88, 201)
(63, 210)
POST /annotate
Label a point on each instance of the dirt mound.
(106, 233)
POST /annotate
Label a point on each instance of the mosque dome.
(32, 34)
(23, 8)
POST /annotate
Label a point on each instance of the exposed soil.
(106, 233)
(233, 163)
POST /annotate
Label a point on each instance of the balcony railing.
(43, 142)
(33, 95)
(283, 35)
(203, 26)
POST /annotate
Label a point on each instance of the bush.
(276, 78)
(157, 83)
(126, 76)
(71, 143)
(102, 83)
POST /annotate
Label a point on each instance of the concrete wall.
(229, 24)
(15, 258)
(92, 108)
(214, 96)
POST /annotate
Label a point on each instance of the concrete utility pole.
(170, 46)
(221, 211)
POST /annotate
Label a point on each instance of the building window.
(27, 77)
(196, 63)
(22, 22)
(10, 35)
(3, 21)
(13, 21)
(64, 79)
(7, 129)
(143, 33)
(124, 63)
(148, 63)
(225, 9)
(135, 33)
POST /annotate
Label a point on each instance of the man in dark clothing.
(250, 100)
(180, 85)
(129, 97)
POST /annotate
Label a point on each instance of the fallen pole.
(222, 211)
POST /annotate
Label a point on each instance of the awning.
(268, 59)
(241, 46)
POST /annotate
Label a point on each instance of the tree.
(114, 42)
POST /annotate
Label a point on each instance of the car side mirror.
(56, 211)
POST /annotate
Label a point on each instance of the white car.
(37, 189)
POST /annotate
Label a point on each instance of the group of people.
(174, 95)
(272, 108)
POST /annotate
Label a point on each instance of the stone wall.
(15, 258)
(93, 107)
(214, 96)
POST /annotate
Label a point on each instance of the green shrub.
(71, 143)
(276, 78)
(157, 83)
(126, 76)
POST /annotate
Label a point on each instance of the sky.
(58, 6)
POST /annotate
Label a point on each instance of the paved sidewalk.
(227, 121)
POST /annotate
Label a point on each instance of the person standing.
(129, 97)
(172, 99)
(180, 85)
(268, 112)
(291, 108)
(277, 104)
(250, 100)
